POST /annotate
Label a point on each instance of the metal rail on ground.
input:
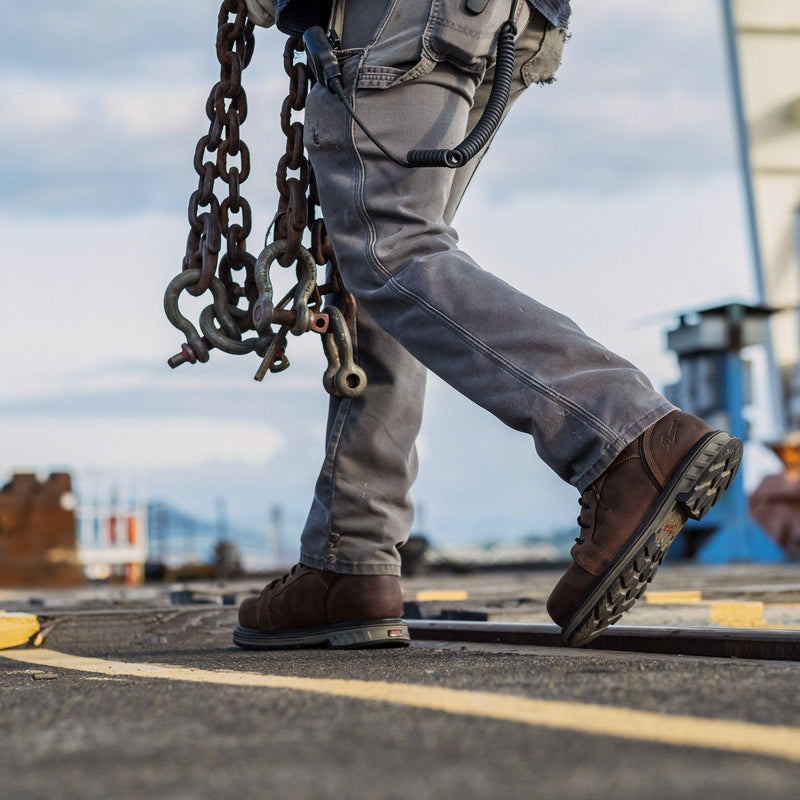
(766, 645)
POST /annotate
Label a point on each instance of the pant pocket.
(395, 55)
(466, 40)
(417, 35)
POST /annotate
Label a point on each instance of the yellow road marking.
(728, 613)
(647, 726)
(17, 629)
(744, 614)
(680, 598)
(446, 596)
(739, 614)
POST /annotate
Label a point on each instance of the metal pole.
(775, 383)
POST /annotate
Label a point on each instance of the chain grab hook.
(223, 322)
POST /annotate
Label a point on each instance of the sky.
(612, 195)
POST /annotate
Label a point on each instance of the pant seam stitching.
(334, 459)
(511, 368)
(515, 371)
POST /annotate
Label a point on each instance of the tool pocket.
(449, 33)
(467, 40)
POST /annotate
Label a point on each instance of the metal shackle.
(184, 280)
(264, 307)
(343, 377)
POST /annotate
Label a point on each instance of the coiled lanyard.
(325, 66)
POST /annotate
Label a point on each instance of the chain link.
(213, 225)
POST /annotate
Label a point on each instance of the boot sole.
(694, 488)
(344, 636)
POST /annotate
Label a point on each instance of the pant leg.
(528, 365)
(361, 510)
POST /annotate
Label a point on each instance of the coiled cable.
(325, 67)
(492, 114)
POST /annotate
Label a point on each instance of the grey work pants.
(418, 73)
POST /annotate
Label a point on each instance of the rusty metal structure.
(38, 533)
(241, 287)
(775, 504)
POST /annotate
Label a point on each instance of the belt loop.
(523, 7)
(337, 16)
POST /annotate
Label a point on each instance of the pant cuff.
(344, 567)
(613, 449)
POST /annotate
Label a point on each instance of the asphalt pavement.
(138, 699)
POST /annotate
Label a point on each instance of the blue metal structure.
(714, 386)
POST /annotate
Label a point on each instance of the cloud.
(90, 303)
(685, 17)
(221, 389)
(479, 481)
(142, 113)
(108, 102)
(674, 112)
(42, 106)
(117, 149)
(612, 265)
(94, 38)
(640, 97)
(107, 124)
(135, 443)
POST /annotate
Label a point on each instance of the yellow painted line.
(447, 596)
(738, 614)
(667, 598)
(17, 629)
(625, 723)
(727, 613)
(744, 614)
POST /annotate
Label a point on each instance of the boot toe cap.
(568, 592)
(248, 613)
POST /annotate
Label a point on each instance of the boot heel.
(713, 468)
(381, 633)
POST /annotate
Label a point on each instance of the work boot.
(309, 607)
(678, 468)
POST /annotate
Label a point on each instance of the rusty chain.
(212, 222)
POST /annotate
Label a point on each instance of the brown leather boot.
(678, 468)
(309, 607)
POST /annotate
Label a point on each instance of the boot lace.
(584, 525)
(583, 521)
(283, 579)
